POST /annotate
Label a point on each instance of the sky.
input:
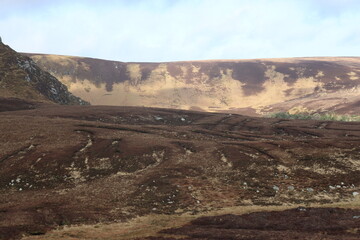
(175, 30)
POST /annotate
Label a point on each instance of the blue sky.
(172, 30)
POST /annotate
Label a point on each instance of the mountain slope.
(62, 165)
(21, 78)
(252, 86)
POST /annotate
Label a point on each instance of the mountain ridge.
(255, 86)
(197, 60)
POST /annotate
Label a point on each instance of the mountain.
(21, 78)
(121, 172)
(241, 86)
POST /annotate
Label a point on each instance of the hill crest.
(255, 86)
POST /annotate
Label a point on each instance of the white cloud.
(184, 29)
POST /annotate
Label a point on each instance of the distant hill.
(21, 78)
(253, 87)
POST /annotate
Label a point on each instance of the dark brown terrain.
(299, 223)
(13, 104)
(66, 165)
(251, 87)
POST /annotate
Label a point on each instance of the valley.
(177, 150)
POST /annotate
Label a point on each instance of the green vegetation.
(317, 116)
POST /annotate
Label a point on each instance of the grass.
(317, 116)
(150, 225)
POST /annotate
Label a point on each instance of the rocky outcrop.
(20, 77)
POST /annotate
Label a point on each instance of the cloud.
(168, 30)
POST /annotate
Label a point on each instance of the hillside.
(140, 170)
(130, 172)
(240, 86)
(21, 78)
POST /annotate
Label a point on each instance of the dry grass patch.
(150, 225)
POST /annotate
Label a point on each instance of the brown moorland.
(102, 172)
(70, 165)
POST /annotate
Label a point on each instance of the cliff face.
(21, 78)
(252, 86)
